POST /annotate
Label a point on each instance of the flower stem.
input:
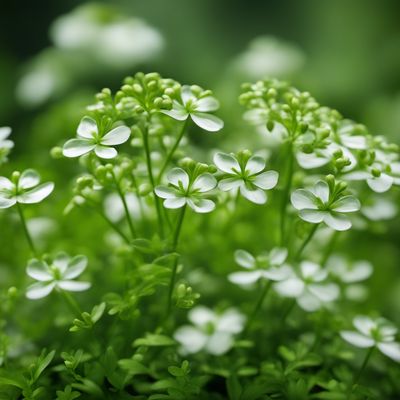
(72, 304)
(152, 182)
(360, 371)
(288, 311)
(266, 287)
(26, 231)
(173, 149)
(286, 192)
(329, 248)
(175, 265)
(305, 243)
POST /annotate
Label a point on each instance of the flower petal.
(266, 180)
(392, 350)
(255, 164)
(256, 196)
(354, 142)
(73, 286)
(176, 202)
(356, 339)
(37, 194)
(245, 278)
(359, 271)
(309, 269)
(204, 183)
(207, 122)
(6, 184)
(39, 290)
(312, 216)
(326, 292)
(178, 112)
(207, 104)
(346, 204)
(278, 255)
(6, 203)
(226, 163)
(278, 274)
(381, 184)
(302, 198)
(5, 132)
(87, 128)
(165, 192)
(75, 267)
(191, 339)
(230, 183)
(337, 222)
(176, 175)
(308, 302)
(118, 135)
(201, 316)
(105, 152)
(187, 94)
(39, 270)
(230, 321)
(28, 179)
(219, 343)
(201, 205)
(61, 261)
(292, 287)
(244, 259)
(310, 161)
(321, 190)
(364, 324)
(77, 147)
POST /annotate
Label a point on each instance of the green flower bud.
(145, 189)
(15, 176)
(56, 152)
(270, 125)
(376, 173)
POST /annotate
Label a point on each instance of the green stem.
(305, 243)
(152, 182)
(26, 231)
(286, 192)
(288, 311)
(175, 265)
(72, 304)
(260, 301)
(360, 371)
(173, 149)
(329, 248)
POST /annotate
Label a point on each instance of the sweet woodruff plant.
(169, 325)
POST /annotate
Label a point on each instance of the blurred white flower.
(5, 144)
(59, 274)
(308, 287)
(210, 332)
(23, 188)
(378, 333)
(267, 265)
(248, 177)
(90, 139)
(349, 272)
(379, 209)
(114, 208)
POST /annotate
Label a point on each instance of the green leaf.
(151, 340)
(41, 364)
(134, 367)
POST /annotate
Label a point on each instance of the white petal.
(118, 135)
(39, 270)
(187, 94)
(6, 184)
(176, 175)
(337, 222)
(201, 205)
(255, 165)
(6, 203)
(278, 255)
(177, 112)
(292, 287)
(266, 180)
(77, 147)
(381, 184)
(105, 152)
(309, 161)
(165, 192)
(201, 316)
(226, 163)
(87, 128)
(312, 216)
(278, 274)
(321, 190)
(308, 302)
(359, 271)
(61, 262)
(244, 259)
(309, 269)
(37, 194)
(39, 290)
(191, 339)
(5, 132)
(245, 278)
(346, 204)
(256, 196)
(328, 292)
(356, 339)
(176, 202)
(229, 184)
(207, 104)
(207, 122)
(391, 350)
(73, 286)
(357, 176)
(219, 343)
(302, 198)
(204, 183)
(364, 324)
(29, 178)
(75, 267)
(230, 321)
(354, 142)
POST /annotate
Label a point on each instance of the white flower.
(349, 272)
(374, 333)
(59, 274)
(5, 144)
(308, 287)
(321, 205)
(268, 266)
(210, 332)
(90, 139)
(182, 191)
(24, 188)
(197, 108)
(248, 176)
(379, 209)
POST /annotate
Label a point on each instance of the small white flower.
(349, 272)
(59, 274)
(210, 332)
(90, 139)
(248, 177)
(374, 333)
(5, 144)
(197, 109)
(182, 191)
(321, 205)
(308, 287)
(267, 265)
(24, 188)
(379, 209)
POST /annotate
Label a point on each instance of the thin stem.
(306, 241)
(286, 192)
(26, 231)
(72, 304)
(329, 248)
(360, 371)
(173, 149)
(288, 311)
(175, 265)
(152, 182)
(260, 301)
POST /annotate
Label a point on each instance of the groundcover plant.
(185, 273)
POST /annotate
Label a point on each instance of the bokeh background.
(54, 55)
